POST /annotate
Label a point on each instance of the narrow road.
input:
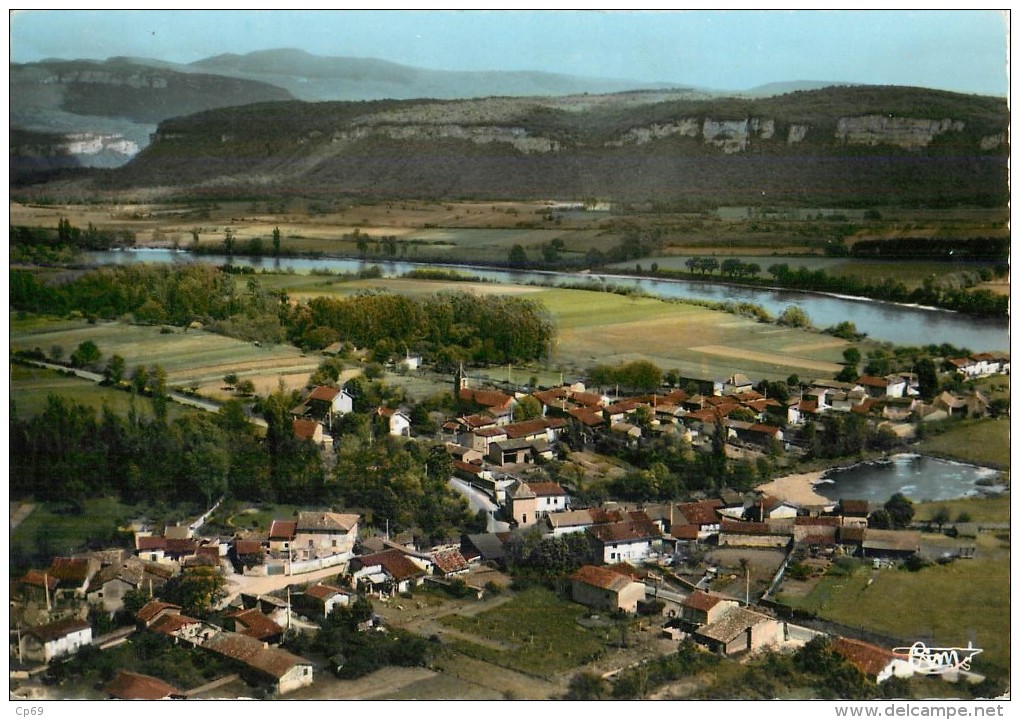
(180, 398)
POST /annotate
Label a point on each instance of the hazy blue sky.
(731, 50)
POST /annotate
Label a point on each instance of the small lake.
(918, 477)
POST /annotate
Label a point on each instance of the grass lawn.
(541, 629)
(965, 600)
(981, 510)
(983, 442)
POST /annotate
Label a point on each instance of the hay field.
(191, 358)
(605, 328)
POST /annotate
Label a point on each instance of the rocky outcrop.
(990, 142)
(102, 77)
(731, 136)
(796, 134)
(480, 135)
(94, 144)
(902, 132)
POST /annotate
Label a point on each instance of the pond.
(918, 477)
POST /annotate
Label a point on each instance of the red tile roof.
(38, 578)
(854, 507)
(588, 416)
(58, 629)
(546, 489)
(700, 600)
(305, 429)
(851, 534)
(153, 608)
(324, 393)
(684, 532)
(150, 542)
(394, 562)
(450, 561)
(74, 570)
(486, 398)
(743, 528)
(248, 547)
(701, 513)
(869, 659)
(602, 577)
(283, 530)
(272, 661)
(474, 422)
(625, 531)
(169, 624)
(254, 624)
(134, 686)
(589, 399)
(321, 591)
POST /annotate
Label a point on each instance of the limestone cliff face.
(903, 132)
(95, 143)
(102, 77)
(731, 136)
(480, 135)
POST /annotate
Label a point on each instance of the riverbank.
(798, 489)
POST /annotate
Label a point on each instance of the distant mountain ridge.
(858, 145)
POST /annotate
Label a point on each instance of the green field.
(965, 600)
(981, 510)
(983, 442)
(30, 386)
(52, 529)
(539, 629)
(191, 358)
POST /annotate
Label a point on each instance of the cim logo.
(936, 661)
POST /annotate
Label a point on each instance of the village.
(706, 570)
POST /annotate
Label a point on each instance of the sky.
(960, 50)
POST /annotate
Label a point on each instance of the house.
(550, 497)
(703, 515)
(516, 452)
(487, 547)
(397, 421)
(819, 530)
(567, 521)
(320, 534)
(37, 586)
(155, 609)
(741, 630)
(606, 589)
(628, 540)
(108, 587)
(325, 402)
(701, 608)
(733, 385)
(875, 663)
(287, 671)
(321, 599)
(854, 512)
(253, 623)
(310, 430)
(449, 562)
(522, 503)
(750, 534)
(73, 574)
(43, 643)
(181, 627)
(890, 543)
(387, 571)
(127, 685)
(770, 508)
(893, 386)
(281, 535)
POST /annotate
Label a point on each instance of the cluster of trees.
(896, 514)
(532, 555)
(730, 267)
(842, 434)
(353, 654)
(68, 235)
(69, 452)
(449, 328)
(638, 375)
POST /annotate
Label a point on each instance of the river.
(900, 324)
(918, 477)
